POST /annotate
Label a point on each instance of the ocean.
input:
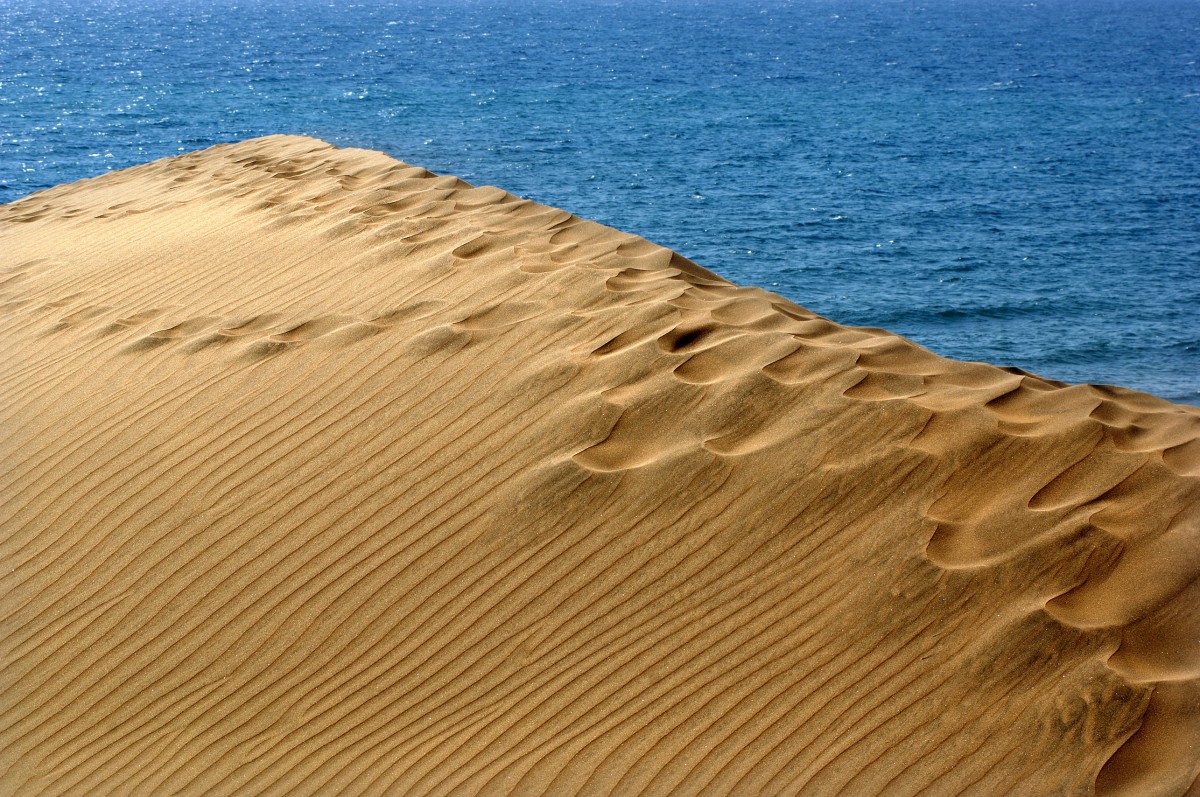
(1011, 182)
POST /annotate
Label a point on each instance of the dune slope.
(324, 474)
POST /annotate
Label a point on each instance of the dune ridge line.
(325, 474)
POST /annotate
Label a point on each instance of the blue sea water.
(1014, 182)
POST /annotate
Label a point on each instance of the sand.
(327, 475)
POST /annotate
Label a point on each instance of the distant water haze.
(1011, 182)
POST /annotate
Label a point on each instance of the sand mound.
(324, 474)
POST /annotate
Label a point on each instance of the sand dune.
(327, 475)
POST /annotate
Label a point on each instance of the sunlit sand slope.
(323, 474)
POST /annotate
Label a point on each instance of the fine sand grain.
(327, 475)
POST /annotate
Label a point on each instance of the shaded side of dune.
(326, 474)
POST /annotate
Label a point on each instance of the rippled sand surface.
(324, 474)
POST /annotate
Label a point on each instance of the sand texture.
(327, 475)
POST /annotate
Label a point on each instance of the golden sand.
(327, 475)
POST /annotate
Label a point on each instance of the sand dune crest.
(324, 474)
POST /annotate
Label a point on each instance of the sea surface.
(1013, 182)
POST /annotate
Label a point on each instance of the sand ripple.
(324, 474)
